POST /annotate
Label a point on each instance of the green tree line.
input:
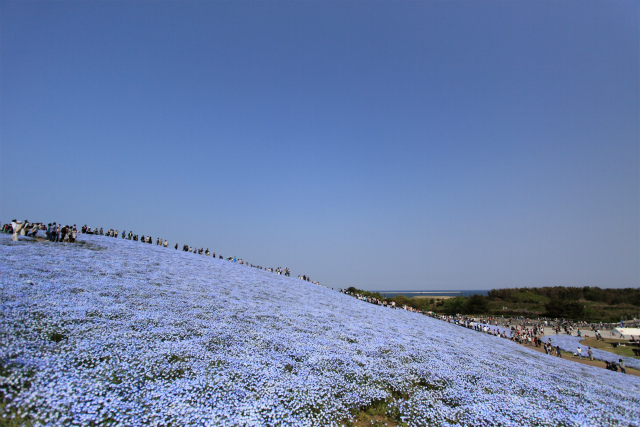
(609, 296)
(575, 303)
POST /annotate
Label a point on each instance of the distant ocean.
(391, 294)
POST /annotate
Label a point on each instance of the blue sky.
(382, 145)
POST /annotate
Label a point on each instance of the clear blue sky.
(382, 145)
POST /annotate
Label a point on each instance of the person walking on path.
(622, 366)
(558, 352)
(590, 353)
(580, 352)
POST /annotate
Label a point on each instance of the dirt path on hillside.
(585, 360)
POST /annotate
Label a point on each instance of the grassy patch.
(378, 413)
(175, 358)
(14, 418)
(606, 345)
(56, 336)
(364, 420)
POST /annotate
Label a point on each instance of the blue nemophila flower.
(117, 333)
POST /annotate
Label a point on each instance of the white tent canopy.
(627, 332)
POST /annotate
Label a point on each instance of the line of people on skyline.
(186, 248)
(59, 233)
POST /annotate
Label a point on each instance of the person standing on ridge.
(23, 230)
(17, 226)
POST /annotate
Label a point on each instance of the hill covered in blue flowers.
(114, 332)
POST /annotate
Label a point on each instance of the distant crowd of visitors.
(68, 234)
(376, 301)
(530, 336)
(527, 332)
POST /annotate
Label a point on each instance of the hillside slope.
(123, 333)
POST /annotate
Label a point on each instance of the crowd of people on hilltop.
(68, 234)
(53, 231)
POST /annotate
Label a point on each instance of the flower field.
(113, 332)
